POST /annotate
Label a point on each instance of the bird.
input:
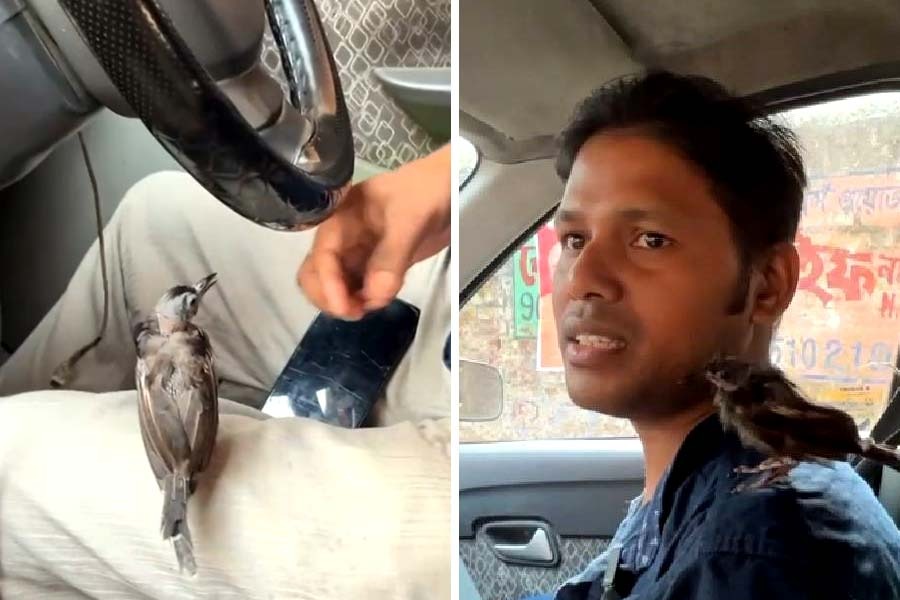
(772, 415)
(177, 392)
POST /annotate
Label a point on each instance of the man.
(680, 208)
(288, 507)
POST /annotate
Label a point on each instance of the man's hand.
(385, 225)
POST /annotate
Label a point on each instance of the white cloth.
(290, 508)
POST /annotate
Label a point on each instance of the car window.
(838, 340)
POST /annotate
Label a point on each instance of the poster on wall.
(549, 357)
(840, 336)
(526, 293)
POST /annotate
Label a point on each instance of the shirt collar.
(706, 442)
(641, 531)
(703, 443)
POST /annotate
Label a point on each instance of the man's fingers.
(381, 288)
(309, 282)
(322, 278)
(339, 301)
(389, 262)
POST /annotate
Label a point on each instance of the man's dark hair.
(754, 164)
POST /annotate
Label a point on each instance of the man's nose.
(594, 274)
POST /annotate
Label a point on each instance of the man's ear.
(774, 285)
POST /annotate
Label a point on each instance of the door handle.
(529, 543)
(537, 549)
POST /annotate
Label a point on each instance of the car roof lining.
(524, 64)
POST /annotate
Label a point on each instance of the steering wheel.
(287, 171)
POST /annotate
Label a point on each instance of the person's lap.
(168, 230)
(289, 507)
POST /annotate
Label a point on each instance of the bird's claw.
(773, 470)
(770, 464)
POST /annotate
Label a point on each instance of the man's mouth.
(593, 350)
(600, 342)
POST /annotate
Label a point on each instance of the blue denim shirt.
(822, 535)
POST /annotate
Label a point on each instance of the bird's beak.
(204, 284)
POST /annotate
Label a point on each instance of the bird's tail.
(880, 453)
(174, 520)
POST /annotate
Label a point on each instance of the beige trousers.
(169, 230)
(290, 508)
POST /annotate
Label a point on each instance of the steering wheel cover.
(311, 73)
(152, 67)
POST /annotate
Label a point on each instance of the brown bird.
(770, 414)
(177, 405)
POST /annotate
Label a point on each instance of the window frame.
(478, 158)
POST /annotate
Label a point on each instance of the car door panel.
(577, 490)
(496, 580)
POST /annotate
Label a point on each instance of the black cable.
(63, 374)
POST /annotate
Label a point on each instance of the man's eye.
(652, 241)
(572, 241)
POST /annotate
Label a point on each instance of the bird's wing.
(787, 400)
(200, 410)
(147, 343)
(145, 417)
(802, 426)
(160, 414)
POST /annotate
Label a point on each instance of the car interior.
(394, 71)
(534, 512)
